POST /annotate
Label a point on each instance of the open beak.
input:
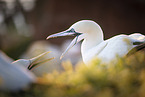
(36, 61)
(71, 32)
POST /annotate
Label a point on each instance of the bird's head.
(33, 62)
(84, 29)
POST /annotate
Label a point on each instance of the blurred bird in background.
(5, 57)
(33, 62)
(39, 47)
(14, 77)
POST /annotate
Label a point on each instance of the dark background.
(51, 16)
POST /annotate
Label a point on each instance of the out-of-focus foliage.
(126, 78)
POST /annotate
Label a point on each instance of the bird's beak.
(36, 61)
(71, 32)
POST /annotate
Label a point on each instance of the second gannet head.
(33, 62)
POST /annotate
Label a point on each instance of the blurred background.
(25, 24)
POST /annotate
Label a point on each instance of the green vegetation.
(126, 78)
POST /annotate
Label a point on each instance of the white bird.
(33, 62)
(5, 57)
(14, 78)
(38, 47)
(94, 45)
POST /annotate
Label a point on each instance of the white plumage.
(14, 78)
(94, 45)
(33, 62)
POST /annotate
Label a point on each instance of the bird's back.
(119, 46)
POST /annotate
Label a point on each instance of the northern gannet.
(94, 45)
(33, 62)
(39, 47)
(14, 78)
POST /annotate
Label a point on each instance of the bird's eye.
(72, 30)
(77, 33)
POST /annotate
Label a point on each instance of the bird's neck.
(91, 41)
(88, 44)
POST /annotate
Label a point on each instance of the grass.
(126, 78)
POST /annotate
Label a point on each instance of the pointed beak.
(36, 61)
(71, 32)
